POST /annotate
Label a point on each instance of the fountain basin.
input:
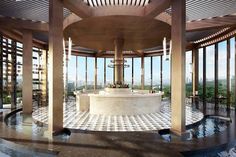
(120, 101)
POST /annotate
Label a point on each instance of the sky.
(210, 57)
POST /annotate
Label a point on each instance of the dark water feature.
(25, 125)
(207, 127)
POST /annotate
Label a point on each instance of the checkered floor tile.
(143, 122)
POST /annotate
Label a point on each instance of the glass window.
(137, 73)
(71, 75)
(210, 73)
(81, 73)
(166, 78)
(90, 72)
(128, 72)
(147, 73)
(222, 88)
(100, 73)
(109, 72)
(156, 68)
(188, 67)
(200, 73)
(232, 70)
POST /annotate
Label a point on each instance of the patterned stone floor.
(143, 122)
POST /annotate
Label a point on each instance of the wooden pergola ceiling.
(100, 32)
(37, 10)
(201, 15)
(100, 3)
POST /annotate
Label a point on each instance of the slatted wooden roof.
(99, 3)
(38, 9)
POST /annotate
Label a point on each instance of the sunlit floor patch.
(143, 122)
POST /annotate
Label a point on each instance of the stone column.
(142, 73)
(55, 70)
(118, 61)
(27, 88)
(178, 67)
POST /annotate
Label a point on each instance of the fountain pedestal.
(122, 101)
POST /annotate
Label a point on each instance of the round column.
(118, 61)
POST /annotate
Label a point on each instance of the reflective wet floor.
(213, 136)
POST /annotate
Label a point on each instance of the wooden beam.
(78, 7)
(14, 23)
(156, 7)
(212, 23)
(72, 18)
(139, 53)
(19, 37)
(165, 17)
(100, 53)
(118, 10)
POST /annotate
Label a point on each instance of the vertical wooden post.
(132, 73)
(151, 73)
(1, 72)
(228, 75)
(204, 78)
(195, 70)
(235, 73)
(105, 76)
(13, 75)
(118, 61)
(161, 73)
(216, 76)
(95, 74)
(27, 88)
(55, 71)
(178, 67)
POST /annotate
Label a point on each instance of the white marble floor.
(144, 122)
